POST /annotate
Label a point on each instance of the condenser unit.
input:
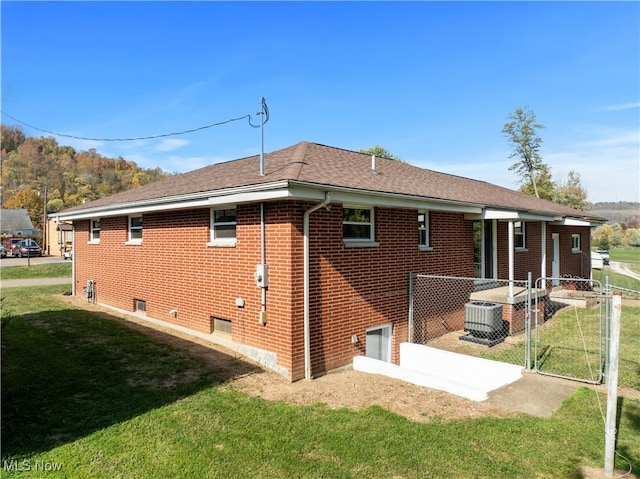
(483, 322)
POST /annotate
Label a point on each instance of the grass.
(50, 270)
(93, 398)
(569, 345)
(615, 279)
(627, 254)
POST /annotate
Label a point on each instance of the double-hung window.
(423, 229)
(135, 229)
(95, 231)
(357, 224)
(223, 226)
(575, 243)
(518, 231)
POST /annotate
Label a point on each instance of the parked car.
(28, 247)
(11, 244)
(3, 251)
(596, 260)
(604, 254)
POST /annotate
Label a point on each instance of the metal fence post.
(527, 339)
(607, 316)
(410, 333)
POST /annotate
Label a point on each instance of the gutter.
(307, 331)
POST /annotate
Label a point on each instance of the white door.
(378, 344)
(555, 259)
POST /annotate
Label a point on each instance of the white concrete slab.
(458, 374)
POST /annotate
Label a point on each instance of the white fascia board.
(506, 215)
(575, 222)
(305, 191)
(197, 200)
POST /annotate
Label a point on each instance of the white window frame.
(387, 335)
(131, 229)
(93, 237)
(423, 245)
(228, 242)
(575, 243)
(519, 234)
(370, 241)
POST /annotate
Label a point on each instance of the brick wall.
(351, 288)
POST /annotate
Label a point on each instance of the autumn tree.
(571, 193)
(521, 132)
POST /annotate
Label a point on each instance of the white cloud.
(170, 144)
(624, 106)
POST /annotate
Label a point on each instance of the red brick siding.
(529, 259)
(351, 289)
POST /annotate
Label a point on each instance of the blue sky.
(433, 82)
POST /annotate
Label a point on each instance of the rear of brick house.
(184, 251)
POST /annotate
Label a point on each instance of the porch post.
(543, 247)
(511, 257)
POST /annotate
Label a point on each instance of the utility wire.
(164, 135)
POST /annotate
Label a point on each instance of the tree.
(571, 193)
(521, 133)
(546, 186)
(381, 152)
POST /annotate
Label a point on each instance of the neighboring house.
(59, 238)
(16, 222)
(300, 266)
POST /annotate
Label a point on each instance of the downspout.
(307, 331)
(263, 250)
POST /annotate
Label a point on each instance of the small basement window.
(139, 306)
(220, 325)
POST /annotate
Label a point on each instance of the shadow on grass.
(68, 373)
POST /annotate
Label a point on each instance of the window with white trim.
(357, 223)
(95, 231)
(135, 229)
(423, 228)
(223, 226)
(575, 242)
(518, 232)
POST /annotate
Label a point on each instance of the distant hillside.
(623, 212)
(29, 165)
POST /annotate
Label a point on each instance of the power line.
(164, 135)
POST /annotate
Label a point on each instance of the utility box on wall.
(262, 275)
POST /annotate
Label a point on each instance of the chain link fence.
(477, 317)
(569, 339)
(554, 326)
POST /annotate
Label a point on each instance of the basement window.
(139, 306)
(222, 326)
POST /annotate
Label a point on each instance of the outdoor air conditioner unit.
(483, 321)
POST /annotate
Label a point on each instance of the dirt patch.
(342, 389)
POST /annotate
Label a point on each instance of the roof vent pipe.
(373, 163)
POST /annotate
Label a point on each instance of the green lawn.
(50, 270)
(629, 255)
(85, 396)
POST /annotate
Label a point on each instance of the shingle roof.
(328, 166)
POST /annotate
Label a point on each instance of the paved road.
(622, 268)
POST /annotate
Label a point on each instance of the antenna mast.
(264, 116)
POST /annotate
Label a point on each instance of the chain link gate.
(569, 324)
(479, 317)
